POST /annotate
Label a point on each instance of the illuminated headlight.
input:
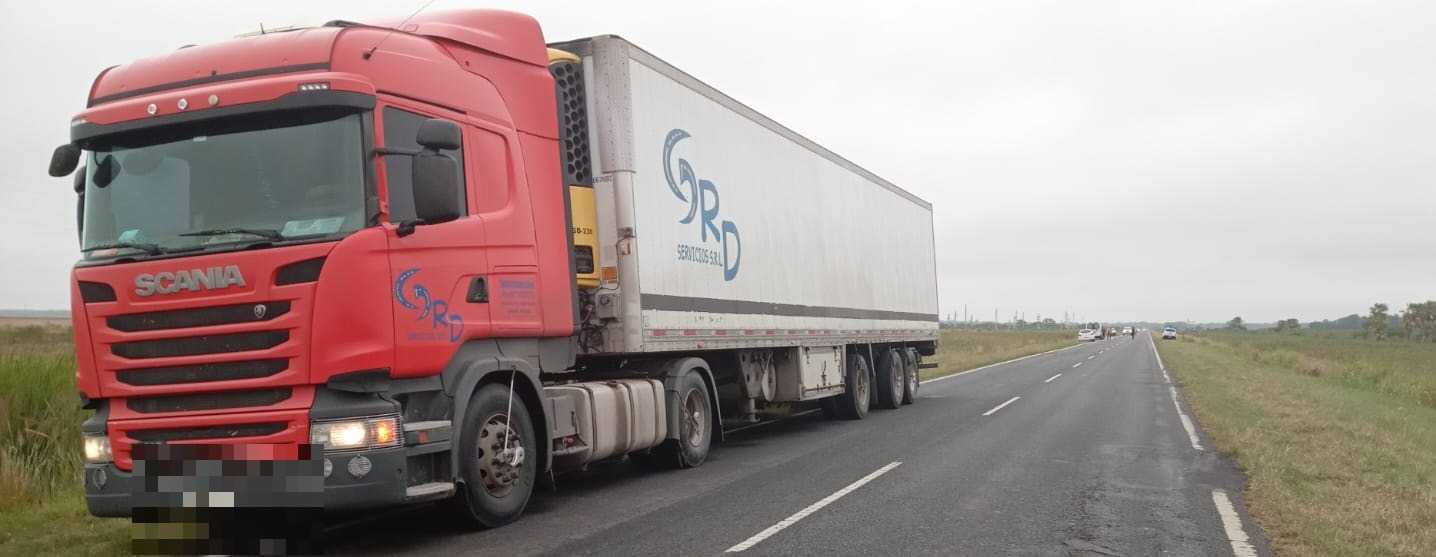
(97, 449)
(363, 433)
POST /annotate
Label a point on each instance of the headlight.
(97, 449)
(363, 433)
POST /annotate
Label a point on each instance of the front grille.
(208, 401)
(201, 373)
(210, 432)
(193, 346)
(198, 317)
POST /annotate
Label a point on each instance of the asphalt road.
(1095, 461)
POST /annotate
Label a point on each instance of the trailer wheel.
(695, 426)
(853, 403)
(891, 380)
(909, 371)
(497, 456)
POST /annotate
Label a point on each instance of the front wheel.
(498, 457)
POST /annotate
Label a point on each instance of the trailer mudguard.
(671, 371)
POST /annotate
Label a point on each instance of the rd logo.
(702, 199)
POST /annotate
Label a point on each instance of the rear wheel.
(909, 371)
(853, 403)
(497, 457)
(890, 377)
(695, 421)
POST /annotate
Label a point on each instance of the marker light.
(97, 449)
(318, 86)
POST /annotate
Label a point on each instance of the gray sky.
(1119, 160)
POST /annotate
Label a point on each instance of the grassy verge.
(1337, 436)
(961, 350)
(41, 501)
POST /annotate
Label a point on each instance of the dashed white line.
(1092, 356)
(1232, 523)
(815, 507)
(1001, 406)
(1049, 379)
(1078, 364)
(977, 369)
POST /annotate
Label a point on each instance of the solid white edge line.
(977, 369)
(1078, 364)
(1186, 421)
(1049, 379)
(815, 507)
(1001, 406)
(1232, 523)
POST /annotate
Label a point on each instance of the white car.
(1086, 335)
(1126, 330)
(1169, 333)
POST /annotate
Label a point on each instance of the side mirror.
(65, 159)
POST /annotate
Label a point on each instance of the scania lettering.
(165, 282)
(456, 260)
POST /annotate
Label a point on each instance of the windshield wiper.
(267, 233)
(151, 249)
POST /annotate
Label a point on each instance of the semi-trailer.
(450, 261)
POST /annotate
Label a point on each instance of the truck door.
(438, 274)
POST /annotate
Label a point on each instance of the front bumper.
(111, 492)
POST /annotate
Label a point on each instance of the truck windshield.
(274, 178)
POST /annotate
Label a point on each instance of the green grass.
(961, 350)
(42, 503)
(1337, 436)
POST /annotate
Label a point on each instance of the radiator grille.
(198, 317)
(193, 346)
(209, 432)
(208, 401)
(201, 373)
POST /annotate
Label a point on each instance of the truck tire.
(495, 489)
(853, 403)
(890, 379)
(909, 372)
(695, 427)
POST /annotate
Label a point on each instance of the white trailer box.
(728, 230)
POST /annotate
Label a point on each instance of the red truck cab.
(335, 235)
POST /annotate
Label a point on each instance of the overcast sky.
(1118, 160)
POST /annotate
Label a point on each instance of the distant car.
(1126, 330)
(1087, 335)
(1169, 333)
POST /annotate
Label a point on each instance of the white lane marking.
(1092, 356)
(1160, 365)
(815, 507)
(1232, 523)
(1001, 406)
(1078, 364)
(1186, 422)
(977, 369)
(1049, 379)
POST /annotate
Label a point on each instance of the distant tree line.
(1416, 323)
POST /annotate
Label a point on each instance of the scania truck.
(451, 261)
